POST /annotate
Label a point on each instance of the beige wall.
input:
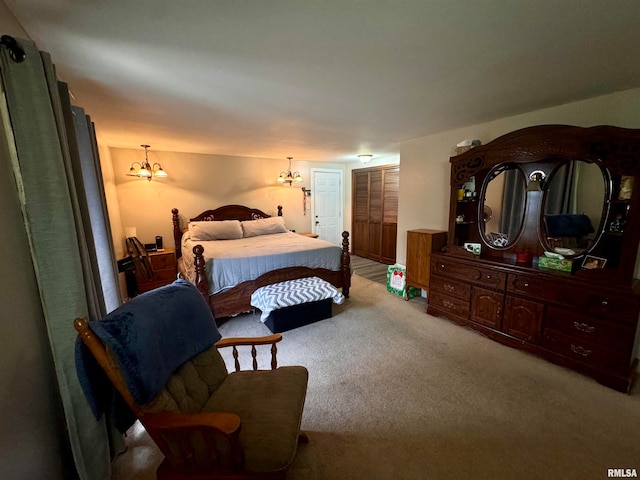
(199, 182)
(424, 165)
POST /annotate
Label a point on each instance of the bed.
(227, 269)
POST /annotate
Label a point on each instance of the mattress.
(230, 262)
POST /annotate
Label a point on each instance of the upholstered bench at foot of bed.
(288, 318)
(294, 303)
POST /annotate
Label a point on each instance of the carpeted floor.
(397, 394)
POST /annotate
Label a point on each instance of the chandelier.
(145, 169)
(288, 177)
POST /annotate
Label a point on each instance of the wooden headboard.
(226, 212)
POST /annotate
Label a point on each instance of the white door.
(327, 204)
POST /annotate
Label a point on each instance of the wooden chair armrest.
(235, 342)
(174, 433)
(226, 423)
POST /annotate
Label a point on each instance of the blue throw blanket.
(151, 336)
(568, 225)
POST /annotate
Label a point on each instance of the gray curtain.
(512, 203)
(56, 195)
(561, 196)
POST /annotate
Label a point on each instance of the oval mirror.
(503, 206)
(573, 205)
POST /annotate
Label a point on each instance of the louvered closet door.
(390, 215)
(360, 230)
(375, 212)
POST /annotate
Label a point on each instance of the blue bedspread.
(151, 336)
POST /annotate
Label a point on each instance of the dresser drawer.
(585, 352)
(623, 309)
(539, 289)
(484, 276)
(585, 328)
(446, 303)
(452, 288)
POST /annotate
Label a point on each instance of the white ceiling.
(326, 79)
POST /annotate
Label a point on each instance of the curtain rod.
(15, 51)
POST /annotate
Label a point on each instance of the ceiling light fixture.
(145, 169)
(365, 157)
(288, 177)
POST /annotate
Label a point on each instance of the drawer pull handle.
(580, 350)
(526, 284)
(488, 277)
(442, 265)
(605, 302)
(584, 327)
(447, 303)
(449, 288)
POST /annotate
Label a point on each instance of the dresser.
(421, 243)
(530, 196)
(542, 312)
(164, 268)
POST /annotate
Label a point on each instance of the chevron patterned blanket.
(293, 292)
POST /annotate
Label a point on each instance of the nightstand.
(309, 234)
(164, 270)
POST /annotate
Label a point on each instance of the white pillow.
(263, 226)
(215, 230)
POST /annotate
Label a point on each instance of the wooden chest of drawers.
(587, 327)
(164, 270)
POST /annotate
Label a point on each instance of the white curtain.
(65, 218)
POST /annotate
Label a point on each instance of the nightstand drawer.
(164, 271)
(166, 275)
(161, 260)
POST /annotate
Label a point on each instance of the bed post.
(279, 210)
(177, 233)
(201, 279)
(345, 264)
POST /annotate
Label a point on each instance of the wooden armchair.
(209, 423)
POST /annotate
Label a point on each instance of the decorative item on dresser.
(554, 192)
(420, 244)
(290, 256)
(163, 265)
